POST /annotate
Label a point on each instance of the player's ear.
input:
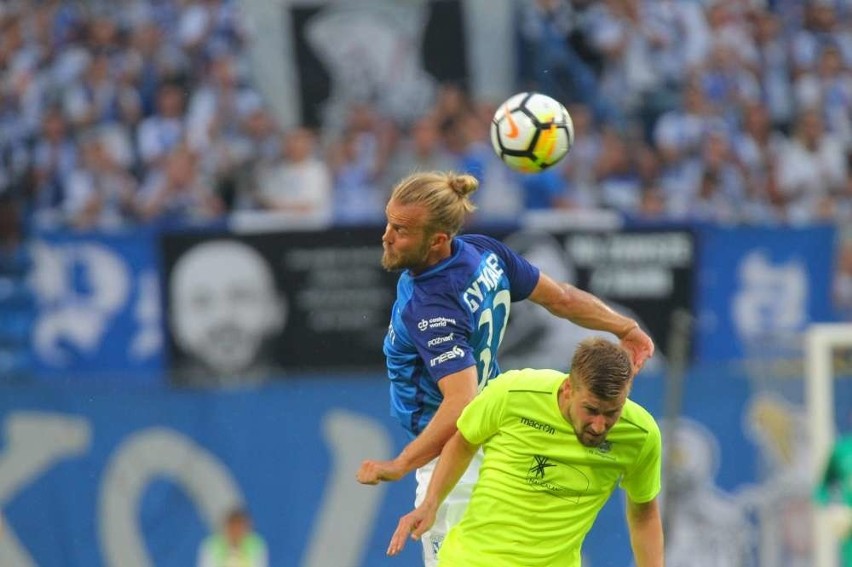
(440, 238)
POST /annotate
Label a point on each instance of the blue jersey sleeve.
(439, 328)
(523, 276)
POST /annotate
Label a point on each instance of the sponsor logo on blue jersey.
(456, 352)
(435, 323)
(441, 340)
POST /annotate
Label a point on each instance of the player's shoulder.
(535, 380)
(481, 241)
(636, 416)
(481, 245)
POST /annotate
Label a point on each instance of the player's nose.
(598, 425)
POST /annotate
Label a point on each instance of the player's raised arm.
(458, 390)
(584, 309)
(455, 458)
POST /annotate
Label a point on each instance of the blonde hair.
(603, 367)
(444, 194)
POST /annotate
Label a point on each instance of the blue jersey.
(449, 318)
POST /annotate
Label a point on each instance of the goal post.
(820, 342)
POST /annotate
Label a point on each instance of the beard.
(412, 260)
(589, 440)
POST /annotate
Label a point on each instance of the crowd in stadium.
(726, 111)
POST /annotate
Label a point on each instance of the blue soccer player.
(453, 301)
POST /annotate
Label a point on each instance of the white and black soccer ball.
(531, 132)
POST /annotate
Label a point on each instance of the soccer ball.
(531, 132)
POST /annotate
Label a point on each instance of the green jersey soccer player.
(555, 447)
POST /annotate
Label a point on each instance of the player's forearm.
(432, 439)
(646, 534)
(455, 458)
(581, 308)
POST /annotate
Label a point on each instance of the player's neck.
(437, 255)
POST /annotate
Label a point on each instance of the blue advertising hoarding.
(759, 288)
(98, 310)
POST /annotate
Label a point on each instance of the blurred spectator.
(618, 180)
(630, 38)
(679, 133)
(11, 234)
(163, 131)
(545, 190)
(301, 182)
(219, 102)
(357, 197)
(55, 157)
(687, 39)
(176, 192)
(726, 82)
(15, 159)
(829, 89)
(756, 148)
(550, 62)
(768, 60)
(652, 204)
(209, 23)
(420, 150)
(716, 190)
(99, 98)
(100, 192)
(499, 197)
(373, 136)
(153, 61)
(451, 102)
(256, 149)
(236, 544)
(812, 168)
(821, 27)
(579, 164)
(358, 161)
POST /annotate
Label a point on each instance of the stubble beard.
(415, 260)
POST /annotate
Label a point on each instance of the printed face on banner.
(224, 305)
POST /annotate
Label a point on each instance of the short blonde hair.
(603, 367)
(444, 194)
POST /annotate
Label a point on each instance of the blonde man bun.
(444, 194)
(463, 184)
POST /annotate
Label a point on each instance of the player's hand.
(413, 524)
(374, 472)
(639, 345)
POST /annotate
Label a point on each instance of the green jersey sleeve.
(835, 485)
(481, 418)
(642, 480)
(829, 477)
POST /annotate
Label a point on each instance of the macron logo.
(445, 356)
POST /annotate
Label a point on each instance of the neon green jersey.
(539, 488)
